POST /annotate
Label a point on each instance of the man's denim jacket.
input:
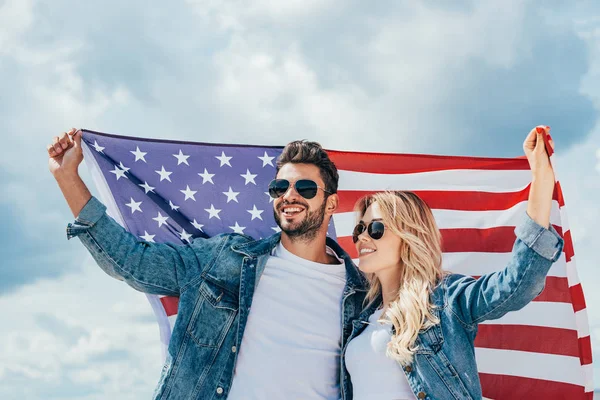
(214, 279)
(444, 363)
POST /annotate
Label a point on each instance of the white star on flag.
(164, 174)
(197, 225)
(160, 219)
(124, 168)
(224, 159)
(238, 229)
(147, 188)
(276, 229)
(212, 212)
(148, 237)
(189, 193)
(270, 198)
(181, 158)
(249, 177)
(255, 213)
(231, 195)
(119, 173)
(173, 206)
(184, 235)
(139, 155)
(134, 205)
(206, 177)
(267, 160)
(98, 147)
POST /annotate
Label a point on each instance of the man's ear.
(333, 202)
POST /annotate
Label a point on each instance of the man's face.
(298, 217)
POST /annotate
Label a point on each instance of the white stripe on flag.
(588, 373)
(581, 320)
(493, 181)
(571, 270)
(478, 264)
(540, 313)
(455, 219)
(550, 367)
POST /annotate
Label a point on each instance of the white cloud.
(82, 329)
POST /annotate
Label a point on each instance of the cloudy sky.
(443, 77)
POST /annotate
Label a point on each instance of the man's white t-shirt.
(291, 345)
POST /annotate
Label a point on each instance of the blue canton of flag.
(171, 191)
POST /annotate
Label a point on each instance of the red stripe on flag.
(501, 387)
(585, 350)
(534, 339)
(448, 200)
(459, 240)
(556, 290)
(170, 304)
(568, 249)
(577, 298)
(491, 240)
(382, 163)
(559, 194)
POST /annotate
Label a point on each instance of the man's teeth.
(365, 251)
(290, 210)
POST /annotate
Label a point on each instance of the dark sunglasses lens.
(358, 229)
(278, 187)
(376, 230)
(306, 188)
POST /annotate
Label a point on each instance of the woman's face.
(376, 256)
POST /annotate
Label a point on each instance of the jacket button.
(233, 349)
(408, 368)
(421, 395)
(219, 390)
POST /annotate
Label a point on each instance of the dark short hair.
(305, 152)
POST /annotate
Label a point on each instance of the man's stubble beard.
(308, 228)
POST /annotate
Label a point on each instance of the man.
(257, 319)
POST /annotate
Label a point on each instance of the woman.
(415, 337)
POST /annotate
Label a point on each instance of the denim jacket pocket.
(214, 312)
(430, 340)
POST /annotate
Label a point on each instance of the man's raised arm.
(147, 267)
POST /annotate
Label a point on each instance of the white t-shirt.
(291, 345)
(373, 374)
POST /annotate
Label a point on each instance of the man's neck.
(312, 250)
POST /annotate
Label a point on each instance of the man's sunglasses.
(375, 229)
(305, 188)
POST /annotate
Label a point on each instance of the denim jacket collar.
(257, 248)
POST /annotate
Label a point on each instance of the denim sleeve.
(148, 267)
(491, 296)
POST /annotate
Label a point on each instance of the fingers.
(57, 146)
(51, 152)
(62, 143)
(65, 141)
(76, 136)
(530, 140)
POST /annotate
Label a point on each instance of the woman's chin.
(365, 267)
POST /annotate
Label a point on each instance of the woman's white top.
(373, 374)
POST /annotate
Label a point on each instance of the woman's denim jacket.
(444, 364)
(214, 279)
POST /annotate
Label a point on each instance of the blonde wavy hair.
(407, 216)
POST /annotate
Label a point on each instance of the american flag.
(173, 191)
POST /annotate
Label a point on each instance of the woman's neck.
(390, 280)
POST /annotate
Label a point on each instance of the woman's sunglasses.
(305, 188)
(375, 229)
